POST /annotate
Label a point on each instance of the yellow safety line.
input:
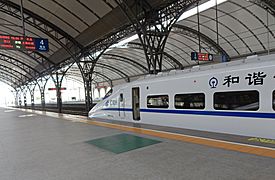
(257, 150)
(245, 148)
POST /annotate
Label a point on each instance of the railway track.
(67, 108)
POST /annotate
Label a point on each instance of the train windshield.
(108, 93)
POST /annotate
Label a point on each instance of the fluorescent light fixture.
(187, 14)
(202, 7)
(125, 41)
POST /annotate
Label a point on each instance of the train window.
(158, 101)
(108, 93)
(190, 101)
(237, 100)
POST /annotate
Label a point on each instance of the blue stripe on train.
(207, 113)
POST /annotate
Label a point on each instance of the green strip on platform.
(122, 143)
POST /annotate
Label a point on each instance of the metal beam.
(11, 78)
(54, 32)
(153, 25)
(177, 28)
(166, 56)
(225, 39)
(127, 60)
(117, 71)
(36, 56)
(16, 62)
(38, 22)
(7, 81)
(268, 5)
(12, 71)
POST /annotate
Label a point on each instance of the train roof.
(249, 62)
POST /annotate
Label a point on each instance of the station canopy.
(236, 28)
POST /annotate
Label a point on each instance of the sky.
(6, 96)
(74, 92)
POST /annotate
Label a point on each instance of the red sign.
(201, 56)
(23, 43)
(54, 89)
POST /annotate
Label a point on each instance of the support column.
(16, 102)
(32, 99)
(86, 68)
(59, 75)
(42, 82)
(31, 87)
(58, 92)
(105, 89)
(153, 26)
(42, 94)
(19, 100)
(93, 91)
(25, 97)
(25, 100)
(88, 92)
(98, 89)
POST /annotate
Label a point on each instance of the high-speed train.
(236, 97)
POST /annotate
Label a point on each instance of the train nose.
(91, 113)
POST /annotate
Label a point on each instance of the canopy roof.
(243, 28)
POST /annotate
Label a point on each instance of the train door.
(136, 103)
(121, 106)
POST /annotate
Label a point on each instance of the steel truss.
(134, 63)
(53, 31)
(21, 65)
(24, 91)
(194, 34)
(268, 5)
(39, 58)
(21, 77)
(167, 57)
(89, 57)
(31, 87)
(42, 82)
(10, 80)
(153, 26)
(61, 37)
(18, 100)
(58, 79)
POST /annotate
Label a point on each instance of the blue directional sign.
(41, 44)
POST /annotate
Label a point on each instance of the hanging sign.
(23, 43)
(196, 56)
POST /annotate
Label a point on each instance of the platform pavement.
(34, 147)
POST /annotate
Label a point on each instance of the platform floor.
(36, 146)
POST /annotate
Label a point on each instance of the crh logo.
(213, 82)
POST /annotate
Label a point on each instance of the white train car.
(235, 98)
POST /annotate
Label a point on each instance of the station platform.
(50, 146)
